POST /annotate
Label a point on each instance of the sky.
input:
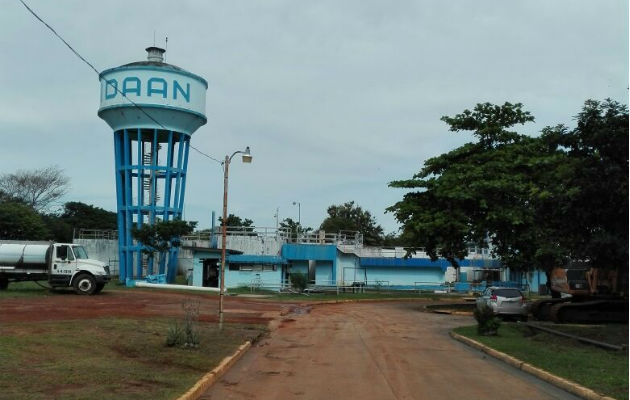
(335, 98)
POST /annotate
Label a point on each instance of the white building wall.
(104, 250)
(348, 269)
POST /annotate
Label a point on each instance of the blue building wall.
(235, 279)
(404, 262)
(333, 266)
(324, 273)
(532, 279)
(199, 256)
(292, 252)
(404, 276)
(249, 269)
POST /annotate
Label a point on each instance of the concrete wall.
(258, 245)
(104, 250)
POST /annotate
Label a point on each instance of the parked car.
(504, 302)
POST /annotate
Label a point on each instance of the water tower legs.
(150, 168)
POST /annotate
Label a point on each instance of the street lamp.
(298, 204)
(247, 158)
(299, 225)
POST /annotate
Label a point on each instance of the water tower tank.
(153, 108)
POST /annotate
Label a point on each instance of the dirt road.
(372, 351)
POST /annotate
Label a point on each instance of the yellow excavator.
(584, 295)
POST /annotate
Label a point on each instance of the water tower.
(153, 108)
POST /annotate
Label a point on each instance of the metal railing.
(283, 233)
(347, 238)
(349, 286)
(446, 287)
(96, 234)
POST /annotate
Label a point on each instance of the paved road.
(372, 351)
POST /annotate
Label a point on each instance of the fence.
(95, 234)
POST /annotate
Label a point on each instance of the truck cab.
(70, 266)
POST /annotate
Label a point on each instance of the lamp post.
(247, 158)
(299, 225)
(299, 212)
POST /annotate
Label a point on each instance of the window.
(509, 293)
(252, 267)
(64, 253)
(80, 252)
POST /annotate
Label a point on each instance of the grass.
(368, 295)
(109, 358)
(604, 371)
(296, 297)
(31, 289)
(27, 289)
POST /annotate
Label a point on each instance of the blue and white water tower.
(153, 108)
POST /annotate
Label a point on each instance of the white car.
(504, 302)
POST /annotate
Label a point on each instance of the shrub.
(487, 323)
(298, 281)
(187, 335)
(174, 335)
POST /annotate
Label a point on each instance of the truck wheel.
(84, 284)
(4, 283)
(99, 287)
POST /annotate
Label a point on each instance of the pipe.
(176, 287)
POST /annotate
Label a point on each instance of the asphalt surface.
(372, 351)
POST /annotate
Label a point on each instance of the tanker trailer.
(59, 264)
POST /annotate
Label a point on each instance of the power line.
(99, 77)
(59, 36)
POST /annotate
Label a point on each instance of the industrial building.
(264, 258)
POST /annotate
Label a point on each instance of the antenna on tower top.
(154, 38)
(166, 47)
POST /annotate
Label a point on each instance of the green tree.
(594, 194)
(59, 230)
(236, 221)
(394, 239)
(294, 227)
(163, 235)
(476, 192)
(21, 222)
(80, 215)
(75, 216)
(539, 200)
(5, 197)
(351, 217)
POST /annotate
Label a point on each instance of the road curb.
(562, 383)
(211, 377)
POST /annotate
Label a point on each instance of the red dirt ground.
(135, 303)
(372, 351)
(364, 350)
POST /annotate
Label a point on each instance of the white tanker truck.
(60, 264)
